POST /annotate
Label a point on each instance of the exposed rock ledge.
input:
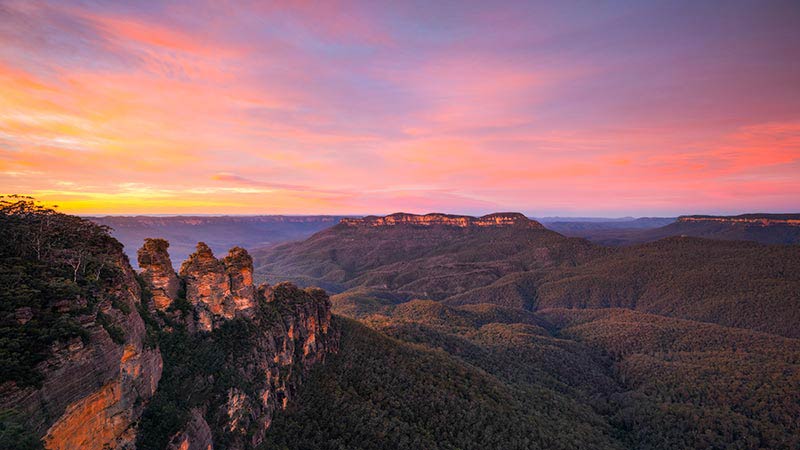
(436, 219)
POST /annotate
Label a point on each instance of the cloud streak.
(372, 107)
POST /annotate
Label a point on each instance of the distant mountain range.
(680, 343)
(219, 232)
(763, 228)
(224, 232)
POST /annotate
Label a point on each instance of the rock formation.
(760, 220)
(156, 269)
(96, 388)
(218, 290)
(239, 270)
(281, 332)
(435, 219)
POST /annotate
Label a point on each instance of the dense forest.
(611, 378)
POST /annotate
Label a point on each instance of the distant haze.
(219, 232)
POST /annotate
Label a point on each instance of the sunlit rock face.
(239, 270)
(427, 220)
(156, 270)
(218, 289)
(207, 287)
(94, 389)
(288, 331)
(295, 336)
(791, 220)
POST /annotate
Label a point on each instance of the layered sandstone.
(95, 384)
(196, 435)
(94, 389)
(285, 331)
(239, 271)
(436, 219)
(283, 351)
(156, 270)
(207, 287)
(790, 220)
(218, 290)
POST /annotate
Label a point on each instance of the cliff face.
(427, 220)
(156, 269)
(239, 272)
(292, 333)
(254, 347)
(766, 220)
(259, 344)
(218, 290)
(94, 388)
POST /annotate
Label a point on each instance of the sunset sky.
(572, 108)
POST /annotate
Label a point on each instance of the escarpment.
(758, 220)
(96, 356)
(77, 368)
(437, 219)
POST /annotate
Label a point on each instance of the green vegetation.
(738, 284)
(713, 387)
(380, 392)
(14, 435)
(199, 369)
(115, 331)
(53, 268)
(732, 283)
(609, 378)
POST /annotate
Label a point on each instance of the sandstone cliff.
(94, 387)
(90, 351)
(436, 219)
(759, 220)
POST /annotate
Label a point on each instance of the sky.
(571, 108)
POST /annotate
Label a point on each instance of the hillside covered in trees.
(732, 283)
(425, 375)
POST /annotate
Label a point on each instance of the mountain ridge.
(498, 219)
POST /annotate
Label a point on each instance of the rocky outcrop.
(218, 290)
(435, 219)
(294, 333)
(156, 270)
(281, 332)
(207, 287)
(239, 270)
(85, 344)
(94, 389)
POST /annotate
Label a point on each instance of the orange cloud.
(345, 108)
